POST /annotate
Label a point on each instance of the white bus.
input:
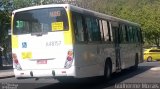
(62, 40)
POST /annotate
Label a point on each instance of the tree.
(26, 3)
(5, 16)
(144, 12)
(4, 24)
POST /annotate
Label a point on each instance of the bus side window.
(135, 36)
(78, 27)
(115, 31)
(89, 29)
(139, 35)
(127, 34)
(96, 30)
(130, 34)
(110, 31)
(122, 33)
(101, 29)
(93, 29)
(105, 30)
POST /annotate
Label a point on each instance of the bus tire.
(19, 78)
(149, 59)
(108, 70)
(66, 79)
(136, 63)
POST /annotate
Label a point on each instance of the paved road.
(147, 76)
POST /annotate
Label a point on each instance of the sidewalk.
(6, 72)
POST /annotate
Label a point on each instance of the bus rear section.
(42, 42)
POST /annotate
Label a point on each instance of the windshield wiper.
(39, 33)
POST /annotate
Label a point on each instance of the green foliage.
(4, 23)
(26, 3)
(21, 3)
(144, 12)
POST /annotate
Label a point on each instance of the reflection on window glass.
(78, 27)
(86, 28)
(154, 51)
(40, 20)
(93, 29)
(123, 34)
(106, 30)
(130, 34)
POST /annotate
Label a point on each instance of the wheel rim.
(149, 59)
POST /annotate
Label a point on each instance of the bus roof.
(40, 7)
(100, 15)
(79, 10)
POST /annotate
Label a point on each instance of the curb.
(7, 76)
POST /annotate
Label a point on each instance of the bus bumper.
(45, 72)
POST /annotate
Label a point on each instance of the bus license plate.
(41, 61)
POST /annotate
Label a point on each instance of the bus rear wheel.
(136, 63)
(107, 71)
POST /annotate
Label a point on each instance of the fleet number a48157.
(53, 43)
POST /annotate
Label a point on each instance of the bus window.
(78, 27)
(22, 26)
(101, 29)
(139, 35)
(135, 36)
(130, 34)
(115, 28)
(127, 34)
(89, 28)
(110, 31)
(105, 30)
(93, 29)
(35, 21)
(122, 33)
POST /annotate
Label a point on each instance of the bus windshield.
(40, 20)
